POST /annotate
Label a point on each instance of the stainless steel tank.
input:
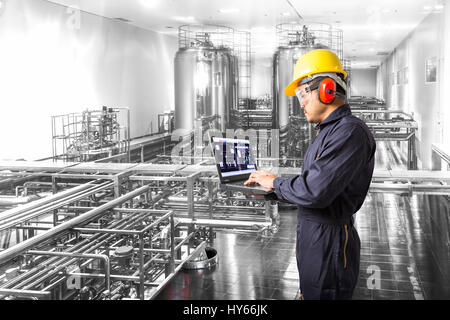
(206, 84)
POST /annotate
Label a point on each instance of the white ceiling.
(368, 27)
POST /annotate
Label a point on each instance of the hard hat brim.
(290, 89)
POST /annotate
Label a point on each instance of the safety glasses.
(302, 93)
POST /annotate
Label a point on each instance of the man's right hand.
(263, 178)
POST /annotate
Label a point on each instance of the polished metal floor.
(248, 268)
(405, 240)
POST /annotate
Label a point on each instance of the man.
(336, 174)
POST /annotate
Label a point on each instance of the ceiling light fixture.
(439, 7)
(377, 34)
(184, 19)
(149, 3)
(285, 14)
(229, 10)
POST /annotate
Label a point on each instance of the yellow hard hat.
(313, 62)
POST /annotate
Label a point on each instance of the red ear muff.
(327, 90)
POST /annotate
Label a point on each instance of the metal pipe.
(40, 203)
(159, 254)
(11, 220)
(410, 188)
(129, 232)
(145, 250)
(172, 244)
(102, 238)
(13, 200)
(206, 206)
(225, 223)
(28, 244)
(184, 241)
(36, 269)
(100, 241)
(114, 277)
(25, 293)
(155, 223)
(113, 231)
(45, 274)
(141, 267)
(83, 245)
(103, 257)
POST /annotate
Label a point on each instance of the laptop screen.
(233, 156)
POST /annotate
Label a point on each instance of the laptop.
(235, 163)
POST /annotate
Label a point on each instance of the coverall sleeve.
(342, 156)
(273, 196)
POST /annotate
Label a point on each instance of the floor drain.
(206, 259)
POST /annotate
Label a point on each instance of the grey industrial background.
(104, 105)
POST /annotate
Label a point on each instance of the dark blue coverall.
(337, 171)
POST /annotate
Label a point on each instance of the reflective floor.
(405, 253)
(406, 239)
(248, 268)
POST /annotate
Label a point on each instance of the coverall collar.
(337, 114)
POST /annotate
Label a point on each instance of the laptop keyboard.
(241, 184)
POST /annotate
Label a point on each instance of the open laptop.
(235, 163)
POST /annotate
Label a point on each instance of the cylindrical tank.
(205, 83)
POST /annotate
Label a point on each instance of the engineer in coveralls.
(337, 171)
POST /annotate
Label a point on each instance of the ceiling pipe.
(295, 10)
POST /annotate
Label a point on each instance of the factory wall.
(56, 60)
(444, 76)
(363, 82)
(403, 82)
